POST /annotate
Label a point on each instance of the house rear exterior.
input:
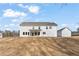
(64, 32)
(31, 29)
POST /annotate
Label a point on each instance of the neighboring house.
(64, 32)
(45, 29)
(1, 35)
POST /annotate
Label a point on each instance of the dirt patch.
(39, 46)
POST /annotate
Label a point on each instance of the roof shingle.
(38, 24)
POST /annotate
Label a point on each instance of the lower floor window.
(28, 33)
(38, 33)
(35, 33)
(31, 33)
(23, 33)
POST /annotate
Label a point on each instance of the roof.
(38, 24)
(64, 28)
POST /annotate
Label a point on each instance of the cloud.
(64, 25)
(23, 6)
(12, 13)
(0, 25)
(34, 9)
(7, 28)
(14, 20)
(6, 25)
(12, 24)
(77, 26)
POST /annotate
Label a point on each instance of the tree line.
(8, 33)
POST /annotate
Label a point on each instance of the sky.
(65, 15)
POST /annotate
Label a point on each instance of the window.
(32, 34)
(35, 33)
(38, 33)
(26, 33)
(50, 27)
(44, 32)
(33, 27)
(23, 33)
(39, 27)
(46, 27)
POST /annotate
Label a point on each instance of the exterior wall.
(66, 33)
(36, 27)
(49, 32)
(59, 33)
(24, 29)
(1, 35)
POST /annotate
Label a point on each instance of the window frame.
(23, 33)
(38, 33)
(50, 27)
(44, 33)
(28, 33)
(46, 27)
(39, 27)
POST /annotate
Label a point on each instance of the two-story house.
(45, 29)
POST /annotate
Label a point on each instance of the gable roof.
(38, 24)
(64, 28)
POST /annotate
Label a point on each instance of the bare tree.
(8, 33)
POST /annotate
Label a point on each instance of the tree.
(8, 33)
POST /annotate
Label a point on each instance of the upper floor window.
(46, 27)
(44, 32)
(50, 27)
(39, 27)
(33, 27)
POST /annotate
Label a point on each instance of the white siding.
(1, 35)
(36, 27)
(66, 33)
(49, 32)
(24, 29)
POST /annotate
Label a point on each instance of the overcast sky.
(12, 14)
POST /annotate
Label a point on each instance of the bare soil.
(39, 46)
